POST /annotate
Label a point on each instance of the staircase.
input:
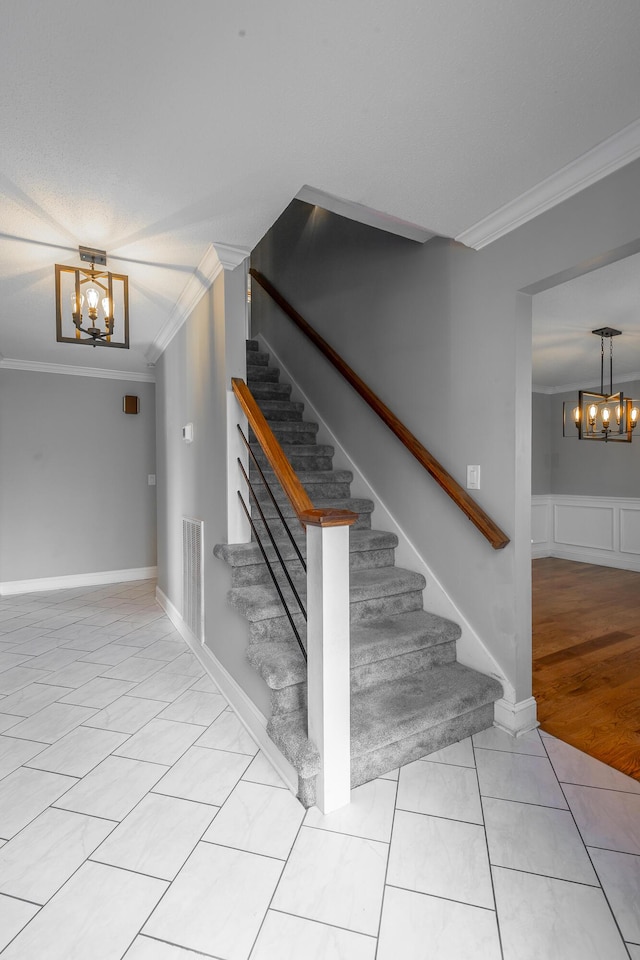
(409, 696)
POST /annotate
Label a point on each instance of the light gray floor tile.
(38, 646)
(542, 917)
(45, 854)
(78, 752)
(135, 669)
(98, 693)
(31, 699)
(260, 770)
(161, 741)
(334, 878)
(145, 948)
(605, 818)
(217, 902)
(163, 686)
(126, 715)
(391, 774)
(11, 658)
(117, 903)
(634, 951)
(18, 677)
(8, 720)
(444, 858)
(75, 674)
(258, 819)
(113, 788)
(619, 874)
(452, 931)
(206, 683)
(194, 706)
(24, 794)
(496, 739)
(187, 665)
(283, 937)
(535, 839)
(14, 915)
(165, 649)
(369, 815)
(204, 775)
(52, 723)
(573, 766)
(440, 789)
(15, 751)
(514, 776)
(54, 660)
(460, 754)
(89, 639)
(227, 733)
(111, 654)
(157, 836)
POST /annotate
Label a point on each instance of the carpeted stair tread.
(257, 373)
(306, 477)
(270, 390)
(278, 410)
(245, 554)
(355, 504)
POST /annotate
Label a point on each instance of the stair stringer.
(471, 650)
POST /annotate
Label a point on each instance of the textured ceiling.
(152, 129)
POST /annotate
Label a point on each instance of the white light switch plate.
(473, 477)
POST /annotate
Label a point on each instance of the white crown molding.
(362, 214)
(217, 257)
(68, 370)
(605, 158)
(571, 387)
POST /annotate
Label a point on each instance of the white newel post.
(328, 653)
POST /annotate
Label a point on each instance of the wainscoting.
(600, 530)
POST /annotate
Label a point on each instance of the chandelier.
(90, 303)
(601, 416)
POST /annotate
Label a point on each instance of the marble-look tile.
(515, 776)
(194, 706)
(24, 794)
(217, 902)
(227, 733)
(75, 674)
(204, 775)
(444, 858)
(619, 874)
(90, 639)
(14, 915)
(146, 948)
(31, 699)
(157, 836)
(534, 839)
(47, 852)
(15, 751)
(8, 720)
(163, 686)
(11, 658)
(187, 665)
(391, 775)
(134, 668)
(126, 715)
(113, 788)
(160, 741)
(606, 818)
(369, 815)
(496, 739)
(543, 917)
(335, 879)
(18, 677)
(52, 723)
(284, 937)
(25, 633)
(258, 819)
(110, 655)
(78, 752)
(634, 951)
(98, 693)
(574, 766)
(37, 646)
(165, 649)
(260, 770)
(114, 903)
(453, 931)
(206, 684)
(54, 660)
(460, 754)
(440, 789)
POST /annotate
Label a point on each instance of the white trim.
(614, 550)
(252, 719)
(605, 158)
(516, 718)
(70, 582)
(216, 258)
(362, 214)
(70, 371)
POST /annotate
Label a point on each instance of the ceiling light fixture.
(105, 295)
(601, 416)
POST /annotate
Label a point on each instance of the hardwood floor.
(586, 658)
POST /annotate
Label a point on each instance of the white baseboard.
(516, 718)
(252, 719)
(70, 582)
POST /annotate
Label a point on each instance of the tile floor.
(139, 820)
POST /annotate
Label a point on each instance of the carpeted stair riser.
(275, 410)
(317, 491)
(269, 390)
(291, 432)
(307, 457)
(258, 573)
(256, 358)
(256, 373)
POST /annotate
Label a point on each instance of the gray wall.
(541, 435)
(443, 334)
(74, 496)
(193, 375)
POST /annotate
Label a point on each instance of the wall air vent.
(193, 576)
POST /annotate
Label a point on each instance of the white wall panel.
(583, 525)
(600, 530)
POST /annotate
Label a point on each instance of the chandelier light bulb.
(576, 415)
(592, 413)
(606, 416)
(106, 307)
(634, 416)
(74, 303)
(618, 413)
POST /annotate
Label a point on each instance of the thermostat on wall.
(187, 433)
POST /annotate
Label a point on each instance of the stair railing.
(327, 609)
(487, 527)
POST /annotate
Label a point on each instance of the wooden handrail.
(496, 537)
(295, 492)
